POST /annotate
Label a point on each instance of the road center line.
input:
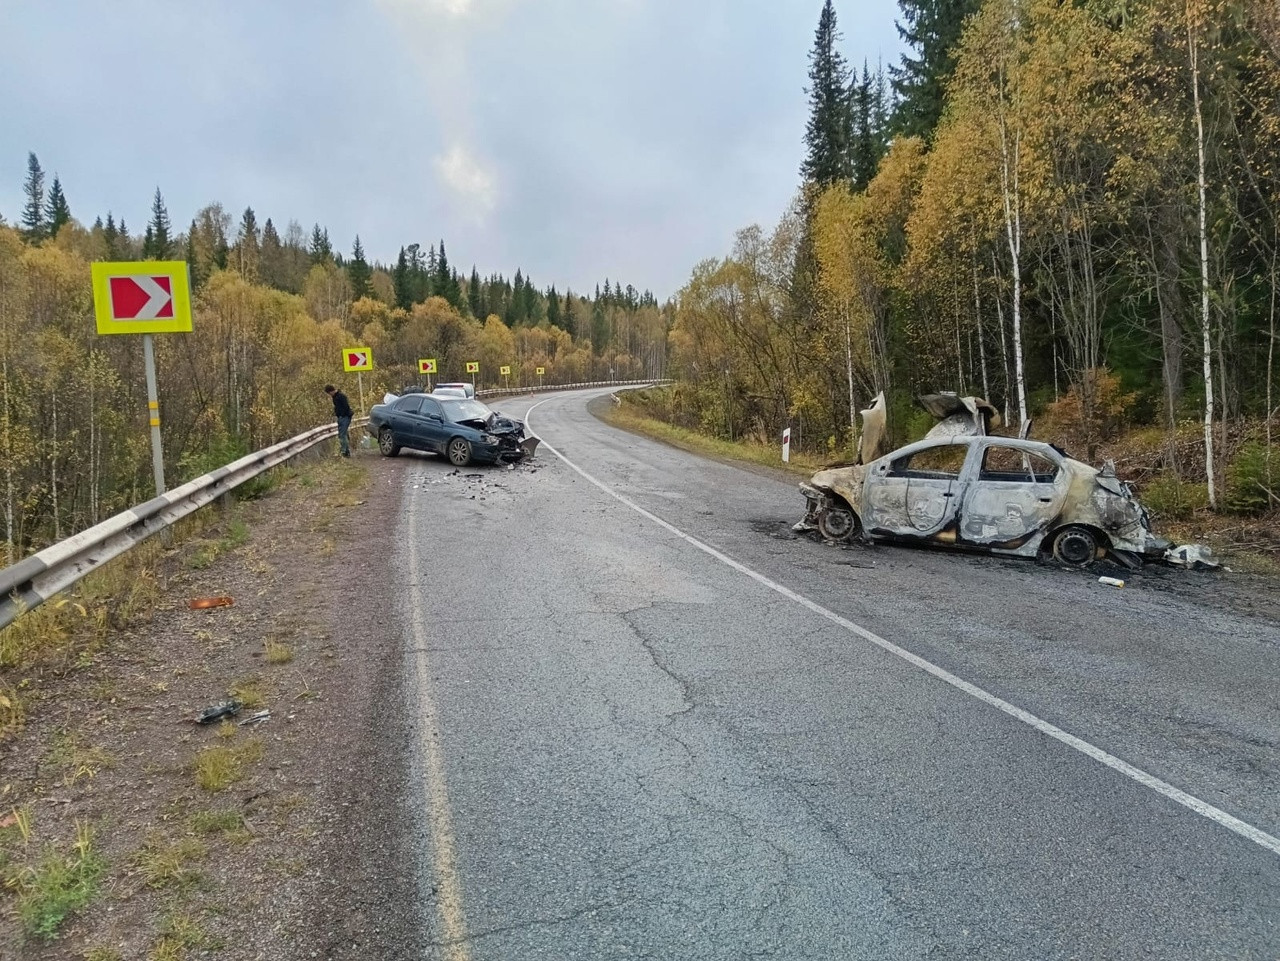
(1189, 801)
(444, 852)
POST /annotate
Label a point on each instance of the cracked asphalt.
(627, 748)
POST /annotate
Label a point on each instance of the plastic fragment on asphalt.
(204, 603)
(255, 719)
(1111, 581)
(218, 712)
(1191, 556)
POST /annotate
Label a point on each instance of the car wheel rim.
(458, 452)
(837, 524)
(1076, 548)
(384, 442)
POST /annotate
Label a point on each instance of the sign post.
(427, 366)
(473, 368)
(358, 359)
(148, 297)
(541, 371)
(505, 370)
(786, 446)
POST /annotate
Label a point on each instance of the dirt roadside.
(288, 839)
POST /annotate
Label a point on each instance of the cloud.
(472, 186)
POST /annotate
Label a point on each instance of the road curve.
(647, 725)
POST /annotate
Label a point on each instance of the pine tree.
(57, 211)
(569, 315)
(271, 259)
(158, 244)
(34, 225)
(931, 28)
(193, 263)
(829, 130)
(358, 272)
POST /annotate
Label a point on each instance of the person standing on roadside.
(342, 411)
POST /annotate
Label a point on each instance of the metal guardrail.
(517, 391)
(35, 579)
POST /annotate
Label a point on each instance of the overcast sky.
(577, 139)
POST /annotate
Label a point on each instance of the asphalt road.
(650, 722)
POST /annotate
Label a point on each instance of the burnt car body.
(995, 494)
(461, 429)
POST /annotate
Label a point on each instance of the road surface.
(650, 722)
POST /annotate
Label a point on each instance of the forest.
(273, 311)
(1069, 208)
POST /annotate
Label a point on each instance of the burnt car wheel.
(459, 452)
(387, 443)
(839, 524)
(1075, 547)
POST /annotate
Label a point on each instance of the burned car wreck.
(459, 428)
(960, 487)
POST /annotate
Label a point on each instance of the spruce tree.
(158, 244)
(358, 272)
(271, 260)
(56, 210)
(475, 299)
(400, 282)
(931, 28)
(553, 307)
(829, 130)
(34, 225)
(869, 139)
(320, 250)
(248, 245)
(111, 235)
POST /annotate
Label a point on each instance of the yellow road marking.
(444, 852)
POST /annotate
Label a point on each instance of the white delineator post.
(153, 412)
(786, 446)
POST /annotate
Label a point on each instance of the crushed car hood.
(496, 424)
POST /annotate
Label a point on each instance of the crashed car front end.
(501, 439)
(1098, 498)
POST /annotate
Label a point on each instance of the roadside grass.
(224, 822)
(56, 883)
(219, 766)
(171, 864)
(77, 758)
(179, 933)
(102, 953)
(277, 652)
(248, 692)
(627, 418)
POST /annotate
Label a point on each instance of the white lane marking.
(444, 851)
(1189, 801)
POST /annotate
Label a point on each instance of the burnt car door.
(431, 423)
(914, 492)
(1016, 494)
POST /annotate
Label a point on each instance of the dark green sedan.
(459, 428)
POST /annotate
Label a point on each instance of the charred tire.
(839, 523)
(1075, 546)
(459, 452)
(387, 443)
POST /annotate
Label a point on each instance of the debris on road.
(204, 603)
(1111, 581)
(1193, 557)
(255, 719)
(226, 709)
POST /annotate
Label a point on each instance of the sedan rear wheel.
(1075, 546)
(459, 452)
(839, 524)
(387, 443)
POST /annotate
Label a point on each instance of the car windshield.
(459, 410)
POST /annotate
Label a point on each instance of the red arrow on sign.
(357, 359)
(141, 297)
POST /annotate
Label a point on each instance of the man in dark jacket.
(342, 411)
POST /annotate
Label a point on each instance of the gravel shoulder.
(289, 839)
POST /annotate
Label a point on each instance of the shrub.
(1248, 491)
(1171, 498)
